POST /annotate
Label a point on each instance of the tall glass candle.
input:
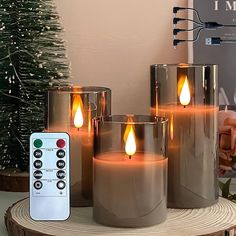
(188, 96)
(130, 171)
(71, 110)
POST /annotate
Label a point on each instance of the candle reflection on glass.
(81, 152)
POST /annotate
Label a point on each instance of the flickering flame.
(78, 120)
(89, 118)
(129, 137)
(157, 106)
(185, 96)
(77, 110)
(172, 127)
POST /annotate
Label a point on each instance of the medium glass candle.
(71, 110)
(188, 96)
(130, 171)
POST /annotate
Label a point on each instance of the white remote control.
(49, 176)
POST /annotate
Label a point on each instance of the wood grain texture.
(14, 181)
(217, 220)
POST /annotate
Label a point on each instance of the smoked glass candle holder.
(130, 171)
(71, 110)
(188, 96)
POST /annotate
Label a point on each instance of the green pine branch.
(32, 59)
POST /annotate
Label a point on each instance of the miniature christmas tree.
(32, 58)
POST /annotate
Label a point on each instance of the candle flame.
(157, 100)
(78, 120)
(129, 138)
(157, 106)
(172, 127)
(89, 118)
(78, 111)
(185, 96)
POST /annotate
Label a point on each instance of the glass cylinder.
(130, 171)
(188, 96)
(71, 110)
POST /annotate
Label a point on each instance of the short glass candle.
(71, 110)
(130, 171)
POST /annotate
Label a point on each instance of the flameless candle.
(71, 110)
(130, 171)
(187, 96)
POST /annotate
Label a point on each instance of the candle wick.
(130, 157)
(184, 106)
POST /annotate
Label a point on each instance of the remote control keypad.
(61, 164)
(38, 185)
(61, 153)
(38, 153)
(38, 164)
(49, 167)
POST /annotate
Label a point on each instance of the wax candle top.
(79, 89)
(136, 120)
(137, 157)
(183, 109)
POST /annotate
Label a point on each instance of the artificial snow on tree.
(32, 58)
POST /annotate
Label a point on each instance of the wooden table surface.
(6, 200)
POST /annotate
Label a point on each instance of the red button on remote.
(61, 143)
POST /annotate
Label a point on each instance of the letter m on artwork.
(230, 6)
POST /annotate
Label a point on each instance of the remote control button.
(38, 185)
(61, 174)
(38, 153)
(38, 174)
(38, 143)
(61, 153)
(61, 143)
(61, 164)
(38, 164)
(61, 184)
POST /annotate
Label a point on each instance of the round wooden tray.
(219, 219)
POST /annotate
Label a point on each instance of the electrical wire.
(228, 41)
(229, 25)
(197, 23)
(196, 12)
(178, 30)
(193, 29)
(200, 26)
(197, 36)
(177, 41)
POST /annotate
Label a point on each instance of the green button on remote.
(38, 143)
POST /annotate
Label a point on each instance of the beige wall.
(112, 43)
